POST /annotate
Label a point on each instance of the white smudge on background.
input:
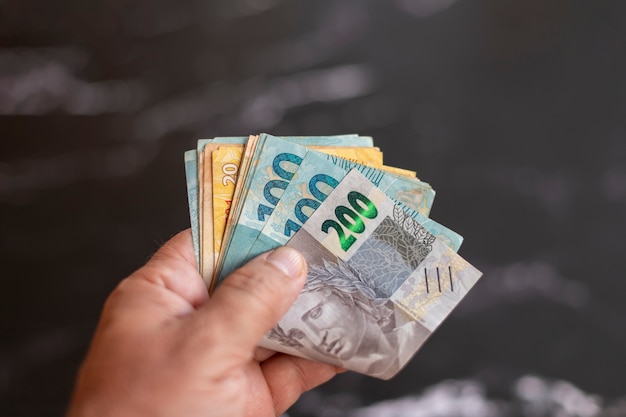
(541, 397)
(530, 396)
(449, 398)
(254, 104)
(267, 109)
(38, 81)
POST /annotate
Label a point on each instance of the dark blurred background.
(512, 109)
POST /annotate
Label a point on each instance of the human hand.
(163, 348)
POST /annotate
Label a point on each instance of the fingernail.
(288, 260)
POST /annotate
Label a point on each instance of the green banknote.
(193, 182)
(274, 164)
(378, 284)
(275, 161)
(191, 175)
(318, 175)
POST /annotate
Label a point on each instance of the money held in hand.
(381, 276)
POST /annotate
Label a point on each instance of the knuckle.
(119, 293)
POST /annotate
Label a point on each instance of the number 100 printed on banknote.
(378, 283)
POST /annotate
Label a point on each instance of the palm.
(259, 396)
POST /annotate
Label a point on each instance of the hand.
(163, 348)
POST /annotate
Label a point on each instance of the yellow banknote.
(225, 161)
(397, 171)
(207, 259)
(239, 192)
(366, 156)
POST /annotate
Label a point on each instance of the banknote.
(192, 169)
(415, 194)
(238, 195)
(317, 176)
(274, 164)
(366, 155)
(250, 155)
(333, 140)
(191, 175)
(378, 283)
(399, 171)
(249, 146)
(194, 166)
(265, 180)
(201, 223)
(205, 177)
(226, 161)
(194, 189)
(205, 200)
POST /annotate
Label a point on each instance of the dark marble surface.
(512, 109)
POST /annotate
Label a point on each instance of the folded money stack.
(382, 275)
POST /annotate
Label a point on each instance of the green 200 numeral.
(351, 219)
(344, 241)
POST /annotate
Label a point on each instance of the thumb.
(252, 299)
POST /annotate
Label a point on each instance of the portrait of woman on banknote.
(339, 319)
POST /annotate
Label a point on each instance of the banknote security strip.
(382, 274)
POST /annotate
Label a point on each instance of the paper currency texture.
(365, 305)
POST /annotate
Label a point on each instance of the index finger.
(174, 267)
(288, 377)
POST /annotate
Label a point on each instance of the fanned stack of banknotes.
(382, 275)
